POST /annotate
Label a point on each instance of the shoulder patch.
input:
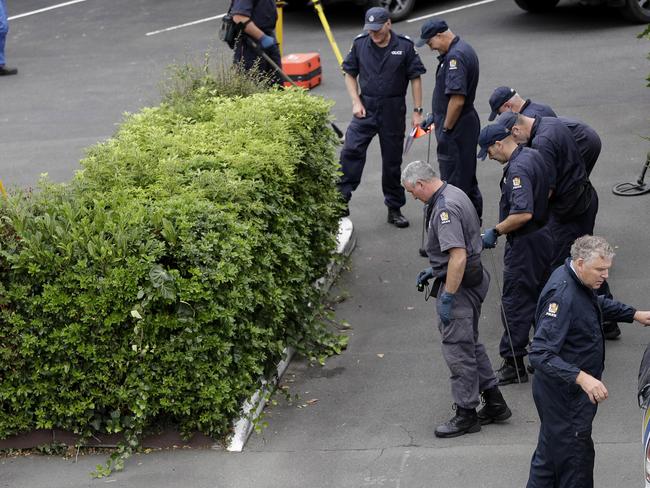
(453, 63)
(516, 183)
(444, 217)
(404, 36)
(553, 309)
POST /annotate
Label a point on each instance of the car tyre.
(537, 6)
(399, 9)
(637, 11)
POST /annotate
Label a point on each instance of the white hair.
(591, 247)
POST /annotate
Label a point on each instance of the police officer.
(506, 99)
(523, 213)
(4, 29)
(460, 284)
(568, 355)
(589, 145)
(257, 20)
(456, 122)
(587, 140)
(573, 202)
(381, 63)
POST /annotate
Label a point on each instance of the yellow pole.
(2, 190)
(328, 32)
(278, 25)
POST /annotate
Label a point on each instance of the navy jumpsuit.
(453, 223)
(568, 339)
(574, 203)
(528, 250)
(457, 74)
(263, 14)
(587, 140)
(530, 109)
(383, 75)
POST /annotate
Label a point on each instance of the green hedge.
(160, 283)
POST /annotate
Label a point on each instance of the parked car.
(634, 10)
(644, 403)
(399, 9)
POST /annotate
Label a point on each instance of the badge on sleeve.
(516, 183)
(444, 217)
(552, 309)
(453, 64)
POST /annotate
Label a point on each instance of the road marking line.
(462, 7)
(40, 10)
(200, 21)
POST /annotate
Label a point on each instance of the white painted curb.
(252, 407)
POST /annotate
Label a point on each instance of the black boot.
(396, 218)
(507, 373)
(495, 409)
(611, 331)
(4, 71)
(464, 422)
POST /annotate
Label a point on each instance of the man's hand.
(417, 119)
(490, 238)
(643, 317)
(423, 277)
(594, 388)
(358, 110)
(444, 307)
(266, 42)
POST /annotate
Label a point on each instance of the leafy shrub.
(160, 283)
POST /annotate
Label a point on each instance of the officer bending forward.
(460, 284)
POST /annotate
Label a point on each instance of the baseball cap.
(429, 29)
(488, 136)
(507, 119)
(500, 96)
(376, 17)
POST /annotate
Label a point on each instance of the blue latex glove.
(266, 42)
(490, 238)
(427, 122)
(444, 307)
(423, 278)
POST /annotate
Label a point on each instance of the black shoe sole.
(499, 418)
(472, 430)
(510, 381)
(399, 225)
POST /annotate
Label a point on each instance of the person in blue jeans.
(4, 29)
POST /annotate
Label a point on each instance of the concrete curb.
(243, 427)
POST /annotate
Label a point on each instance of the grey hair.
(418, 171)
(591, 247)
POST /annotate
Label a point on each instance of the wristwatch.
(418, 110)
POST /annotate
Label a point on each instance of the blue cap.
(488, 136)
(429, 29)
(376, 17)
(507, 119)
(500, 96)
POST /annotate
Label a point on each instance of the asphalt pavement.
(367, 417)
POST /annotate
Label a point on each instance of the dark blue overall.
(383, 77)
(457, 74)
(528, 250)
(530, 109)
(263, 14)
(587, 140)
(568, 339)
(574, 203)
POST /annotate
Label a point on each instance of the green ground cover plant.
(158, 285)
